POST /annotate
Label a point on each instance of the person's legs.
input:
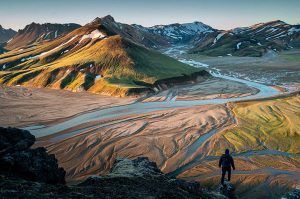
(229, 173)
(223, 175)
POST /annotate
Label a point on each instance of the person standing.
(226, 162)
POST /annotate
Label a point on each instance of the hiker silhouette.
(226, 162)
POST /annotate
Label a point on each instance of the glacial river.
(146, 107)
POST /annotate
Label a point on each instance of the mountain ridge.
(254, 40)
(35, 32)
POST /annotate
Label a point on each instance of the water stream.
(146, 107)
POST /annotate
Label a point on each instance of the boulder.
(295, 194)
(228, 190)
(15, 139)
(18, 160)
(141, 166)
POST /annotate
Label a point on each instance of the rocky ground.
(32, 173)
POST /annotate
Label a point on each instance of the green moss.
(68, 79)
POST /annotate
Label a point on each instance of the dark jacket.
(226, 161)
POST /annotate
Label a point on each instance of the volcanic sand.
(210, 89)
(169, 137)
(20, 106)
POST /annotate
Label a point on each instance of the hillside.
(94, 58)
(6, 34)
(255, 40)
(34, 33)
(271, 124)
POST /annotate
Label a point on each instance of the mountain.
(250, 41)
(178, 33)
(132, 32)
(6, 34)
(97, 57)
(35, 32)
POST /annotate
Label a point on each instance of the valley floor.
(22, 106)
(88, 132)
(273, 69)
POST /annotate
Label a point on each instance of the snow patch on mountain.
(178, 31)
(293, 30)
(275, 36)
(98, 77)
(272, 30)
(45, 53)
(93, 35)
(258, 31)
(219, 37)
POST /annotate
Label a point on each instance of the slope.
(92, 58)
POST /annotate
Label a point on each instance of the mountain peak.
(277, 22)
(270, 23)
(105, 19)
(108, 17)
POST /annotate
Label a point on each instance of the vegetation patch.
(272, 124)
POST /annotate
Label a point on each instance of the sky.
(220, 14)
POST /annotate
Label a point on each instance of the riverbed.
(265, 91)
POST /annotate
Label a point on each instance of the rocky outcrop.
(32, 173)
(164, 84)
(137, 178)
(19, 161)
(140, 178)
(295, 194)
(228, 190)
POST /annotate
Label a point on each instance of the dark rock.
(15, 139)
(137, 167)
(140, 178)
(18, 160)
(295, 194)
(172, 81)
(228, 190)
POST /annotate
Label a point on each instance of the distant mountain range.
(250, 41)
(108, 57)
(200, 38)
